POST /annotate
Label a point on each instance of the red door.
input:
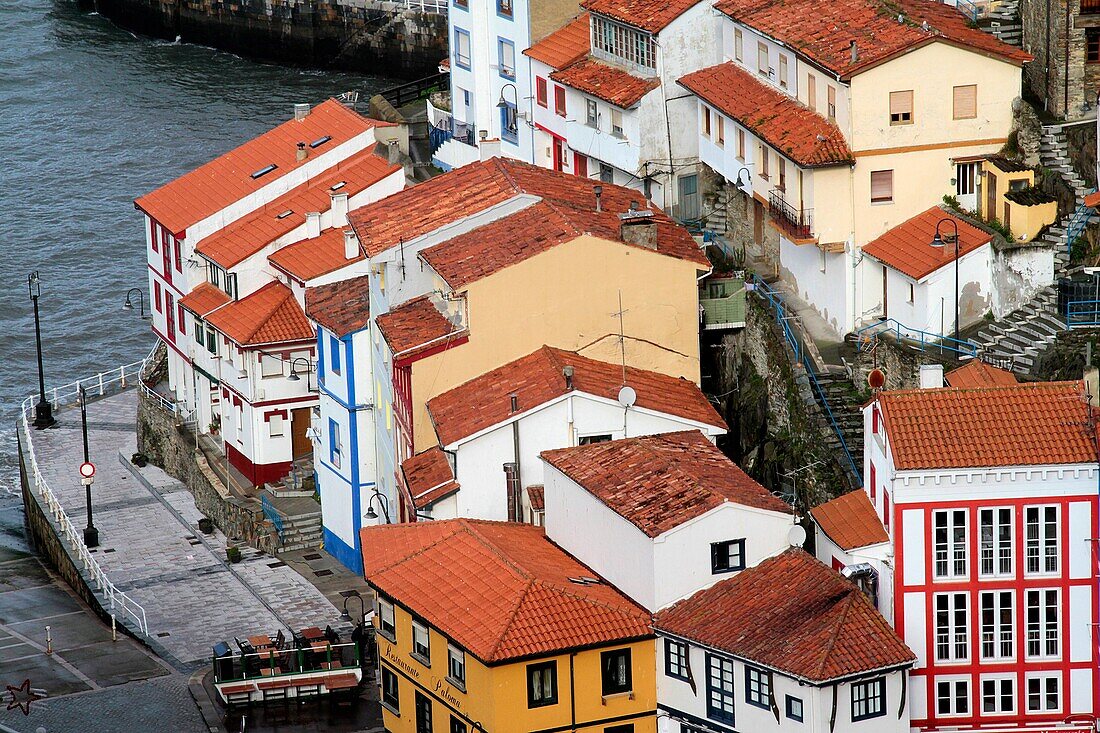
(559, 153)
(166, 252)
(580, 165)
(170, 315)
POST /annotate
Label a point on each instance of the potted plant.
(206, 525)
(215, 425)
(139, 460)
(233, 554)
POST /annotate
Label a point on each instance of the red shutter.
(580, 165)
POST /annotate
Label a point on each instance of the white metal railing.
(68, 394)
(428, 6)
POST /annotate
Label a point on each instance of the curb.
(207, 709)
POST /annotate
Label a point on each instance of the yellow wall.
(1024, 221)
(832, 204)
(495, 697)
(565, 298)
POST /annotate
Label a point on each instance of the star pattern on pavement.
(22, 696)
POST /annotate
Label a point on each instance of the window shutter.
(901, 103)
(966, 102)
(882, 185)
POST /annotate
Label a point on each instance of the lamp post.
(502, 104)
(938, 241)
(87, 474)
(345, 616)
(371, 514)
(43, 411)
(294, 374)
(128, 305)
(737, 180)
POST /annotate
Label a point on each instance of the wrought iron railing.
(1083, 313)
(285, 662)
(1076, 225)
(797, 223)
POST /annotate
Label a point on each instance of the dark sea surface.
(92, 116)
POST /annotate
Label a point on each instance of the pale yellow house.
(1007, 193)
(839, 121)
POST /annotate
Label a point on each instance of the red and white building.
(989, 496)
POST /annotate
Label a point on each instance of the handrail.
(68, 394)
(1077, 224)
(775, 301)
(1082, 313)
(969, 9)
(832, 420)
(870, 333)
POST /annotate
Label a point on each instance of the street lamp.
(509, 120)
(737, 179)
(345, 616)
(43, 411)
(128, 305)
(87, 474)
(293, 370)
(938, 242)
(371, 514)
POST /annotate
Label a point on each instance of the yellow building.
(489, 626)
(1006, 192)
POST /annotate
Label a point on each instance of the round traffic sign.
(87, 470)
(876, 379)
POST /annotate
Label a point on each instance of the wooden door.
(300, 444)
(580, 165)
(558, 153)
(757, 222)
(991, 195)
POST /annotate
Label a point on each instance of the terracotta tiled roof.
(1030, 424)
(204, 298)
(824, 32)
(782, 122)
(650, 15)
(341, 307)
(977, 373)
(210, 188)
(658, 482)
(250, 234)
(606, 82)
(907, 248)
(850, 521)
(268, 316)
(412, 325)
(537, 378)
(429, 477)
(793, 614)
(536, 494)
(311, 258)
(568, 44)
(1093, 199)
(500, 590)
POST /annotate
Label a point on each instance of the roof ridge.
(837, 627)
(565, 591)
(553, 205)
(507, 626)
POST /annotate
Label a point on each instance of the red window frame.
(559, 101)
(886, 510)
(179, 258)
(153, 235)
(181, 322)
(874, 419)
(156, 295)
(540, 92)
(873, 482)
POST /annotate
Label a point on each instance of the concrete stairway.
(297, 520)
(1003, 22)
(847, 407)
(1054, 155)
(715, 217)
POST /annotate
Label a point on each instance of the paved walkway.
(150, 546)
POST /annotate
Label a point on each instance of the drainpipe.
(572, 694)
(1046, 85)
(1065, 72)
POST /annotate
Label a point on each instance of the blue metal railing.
(969, 9)
(923, 339)
(1083, 313)
(1077, 225)
(782, 314)
(272, 513)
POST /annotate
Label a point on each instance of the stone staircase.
(714, 219)
(297, 520)
(1004, 23)
(846, 405)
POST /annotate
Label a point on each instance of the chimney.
(511, 481)
(636, 226)
(339, 205)
(489, 148)
(513, 402)
(598, 190)
(855, 52)
(567, 372)
(351, 245)
(313, 224)
(931, 376)
(301, 153)
(301, 111)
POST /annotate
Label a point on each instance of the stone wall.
(1019, 272)
(373, 36)
(1065, 358)
(899, 363)
(1081, 140)
(1060, 86)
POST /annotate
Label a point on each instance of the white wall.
(821, 278)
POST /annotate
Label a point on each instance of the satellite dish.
(796, 535)
(876, 378)
(627, 396)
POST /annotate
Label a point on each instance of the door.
(1007, 218)
(966, 191)
(757, 222)
(991, 195)
(300, 444)
(170, 315)
(559, 153)
(689, 198)
(580, 165)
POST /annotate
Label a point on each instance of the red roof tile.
(907, 248)
(784, 123)
(500, 590)
(204, 298)
(793, 614)
(606, 82)
(658, 482)
(567, 45)
(341, 307)
(536, 494)
(1030, 424)
(1093, 199)
(537, 378)
(312, 258)
(649, 15)
(268, 316)
(850, 521)
(210, 188)
(824, 33)
(250, 234)
(976, 373)
(429, 477)
(414, 324)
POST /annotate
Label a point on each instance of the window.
(762, 60)
(909, 295)
(706, 121)
(509, 129)
(156, 296)
(334, 442)
(591, 113)
(738, 44)
(540, 92)
(590, 439)
(181, 320)
(1041, 533)
(607, 173)
(782, 162)
(504, 8)
(389, 690)
(617, 123)
(811, 92)
(506, 56)
(153, 235)
(625, 728)
(996, 542)
(624, 43)
(886, 509)
(559, 100)
(423, 713)
(211, 340)
(965, 102)
(721, 130)
(965, 179)
(676, 659)
(179, 256)
(719, 689)
(1042, 624)
(198, 331)
(457, 726)
(421, 643)
(998, 695)
(456, 664)
(741, 145)
(831, 108)
(949, 543)
(873, 481)
(271, 366)
(953, 697)
(462, 49)
(997, 625)
(794, 708)
(1092, 45)
(542, 684)
(1044, 693)
(869, 699)
(275, 425)
(782, 71)
(758, 687)
(616, 672)
(901, 108)
(464, 4)
(728, 556)
(882, 187)
(951, 625)
(763, 164)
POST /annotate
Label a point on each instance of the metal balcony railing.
(798, 223)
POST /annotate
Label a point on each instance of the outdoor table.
(320, 646)
(312, 633)
(260, 641)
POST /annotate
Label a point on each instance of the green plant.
(1011, 148)
(952, 203)
(1079, 250)
(233, 554)
(998, 226)
(989, 316)
(215, 425)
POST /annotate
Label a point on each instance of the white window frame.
(276, 427)
(420, 629)
(591, 113)
(1042, 680)
(1000, 683)
(1043, 548)
(951, 554)
(954, 629)
(456, 662)
(617, 129)
(1038, 627)
(998, 636)
(996, 556)
(387, 620)
(954, 681)
(621, 42)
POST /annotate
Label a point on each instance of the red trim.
(257, 473)
(549, 132)
(542, 93)
(171, 344)
(159, 277)
(272, 413)
(404, 361)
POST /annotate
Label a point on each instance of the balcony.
(722, 303)
(795, 223)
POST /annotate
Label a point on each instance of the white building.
(492, 429)
(661, 516)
